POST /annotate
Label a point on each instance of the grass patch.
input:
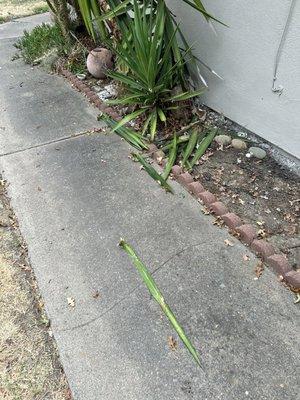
(39, 41)
(10, 9)
(40, 9)
(3, 19)
(46, 44)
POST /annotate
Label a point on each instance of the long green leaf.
(203, 11)
(152, 172)
(157, 295)
(203, 146)
(171, 158)
(116, 11)
(185, 95)
(153, 124)
(180, 140)
(190, 145)
(132, 137)
(128, 118)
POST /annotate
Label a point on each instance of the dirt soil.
(261, 192)
(29, 362)
(10, 9)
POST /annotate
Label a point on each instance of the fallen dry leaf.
(218, 221)
(259, 269)
(262, 233)
(228, 243)
(71, 301)
(172, 343)
(96, 294)
(246, 257)
(205, 211)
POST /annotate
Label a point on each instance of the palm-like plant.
(148, 47)
(152, 70)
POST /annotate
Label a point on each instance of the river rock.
(238, 144)
(257, 152)
(223, 140)
(99, 61)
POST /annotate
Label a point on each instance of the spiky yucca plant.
(153, 73)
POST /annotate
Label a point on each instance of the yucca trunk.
(60, 11)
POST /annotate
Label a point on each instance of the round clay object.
(99, 61)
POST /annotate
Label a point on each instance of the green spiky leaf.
(157, 295)
(152, 172)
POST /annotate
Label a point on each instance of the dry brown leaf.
(288, 217)
(172, 343)
(246, 257)
(262, 233)
(96, 294)
(228, 243)
(71, 301)
(205, 211)
(219, 222)
(259, 269)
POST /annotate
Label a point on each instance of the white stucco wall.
(243, 55)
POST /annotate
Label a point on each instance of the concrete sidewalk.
(75, 196)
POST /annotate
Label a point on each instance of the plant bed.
(261, 192)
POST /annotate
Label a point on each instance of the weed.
(40, 9)
(39, 41)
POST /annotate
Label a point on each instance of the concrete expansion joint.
(116, 304)
(246, 233)
(62, 139)
(92, 320)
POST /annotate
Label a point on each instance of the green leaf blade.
(157, 295)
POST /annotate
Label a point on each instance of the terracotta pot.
(98, 61)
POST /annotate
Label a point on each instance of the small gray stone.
(223, 140)
(238, 144)
(257, 152)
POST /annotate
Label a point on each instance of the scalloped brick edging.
(247, 233)
(90, 94)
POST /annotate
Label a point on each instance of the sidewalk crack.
(129, 293)
(88, 132)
